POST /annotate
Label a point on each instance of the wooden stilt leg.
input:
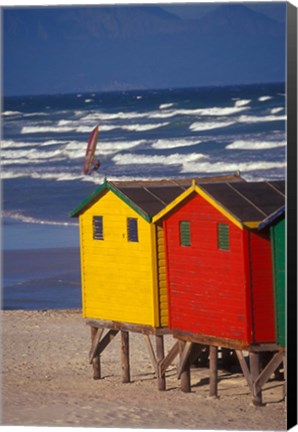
(254, 360)
(96, 368)
(125, 356)
(284, 361)
(213, 354)
(95, 360)
(185, 371)
(160, 353)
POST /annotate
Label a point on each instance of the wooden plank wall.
(262, 287)
(162, 281)
(118, 279)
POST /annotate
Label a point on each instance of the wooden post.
(160, 353)
(254, 361)
(285, 378)
(213, 354)
(185, 371)
(95, 360)
(125, 356)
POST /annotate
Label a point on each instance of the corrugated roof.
(152, 199)
(148, 197)
(251, 201)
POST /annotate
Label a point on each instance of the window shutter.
(132, 230)
(185, 233)
(223, 237)
(97, 228)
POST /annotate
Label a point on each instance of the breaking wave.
(242, 102)
(255, 145)
(264, 98)
(203, 126)
(11, 113)
(216, 167)
(167, 105)
(29, 219)
(176, 159)
(256, 119)
(173, 143)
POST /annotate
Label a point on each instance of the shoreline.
(47, 381)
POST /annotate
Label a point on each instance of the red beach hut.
(219, 266)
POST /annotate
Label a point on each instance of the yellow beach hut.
(119, 259)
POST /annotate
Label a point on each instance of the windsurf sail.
(91, 146)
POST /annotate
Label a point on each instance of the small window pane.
(132, 230)
(185, 233)
(223, 237)
(97, 228)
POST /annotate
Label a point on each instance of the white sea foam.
(218, 111)
(102, 128)
(100, 116)
(66, 122)
(11, 113)
(230, 166)
(20, 156)
(173, 159)
(242, 102)
(10, 144)
(163, 112)
(202, 126)
(255, 119)
(255, 145)
(45, 129)
(7, 174)
(264, 98)
(213, 112)
(173, 143)
(143, 127)
(276, 110)
(88, 100)
(28, 219)
(166, 105)
(52, 142)
(35, 114)
(113, 147)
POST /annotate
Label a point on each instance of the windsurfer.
(96, 166)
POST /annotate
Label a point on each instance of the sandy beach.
(47, 381)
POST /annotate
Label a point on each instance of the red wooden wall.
(259, 248)
(209, 289)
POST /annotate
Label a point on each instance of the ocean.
(150, 134)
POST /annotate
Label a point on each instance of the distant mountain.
(76, 49)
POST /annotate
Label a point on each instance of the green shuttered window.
(223, 236)
(97, 228)
(185, 239)
(132, 230)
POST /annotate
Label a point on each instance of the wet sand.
(47, 381)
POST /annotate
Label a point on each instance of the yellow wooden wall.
(162, 282)
(119, 280)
